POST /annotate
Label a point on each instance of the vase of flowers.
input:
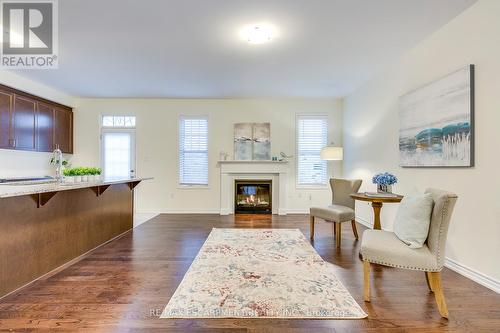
(384, 182)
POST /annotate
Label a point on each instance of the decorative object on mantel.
(384, 182)
(437, 123)
(223, 156)
(252, 141)
(285, 157)
(261, 273)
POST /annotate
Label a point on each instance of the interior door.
(118, 153)
(24, 123)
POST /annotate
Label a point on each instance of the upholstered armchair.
(384, 248)
(342, 207)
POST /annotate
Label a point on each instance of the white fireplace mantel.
(276, 171)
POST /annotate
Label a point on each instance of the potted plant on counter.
(68, 176)
(82, 174)
(94, 174)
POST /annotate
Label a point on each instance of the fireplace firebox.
(253, 197)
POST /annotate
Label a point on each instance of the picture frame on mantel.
(437, 123)
(252, 141)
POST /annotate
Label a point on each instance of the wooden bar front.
(35, 241)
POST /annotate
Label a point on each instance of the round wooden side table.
(377, 203)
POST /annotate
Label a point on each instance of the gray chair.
(342, 207)
(384, 248)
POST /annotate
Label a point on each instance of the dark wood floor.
(124, 285)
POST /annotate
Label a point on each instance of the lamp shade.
(331, 153)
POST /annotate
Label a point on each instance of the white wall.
(23, 163)
(371, 134)
(156, 137)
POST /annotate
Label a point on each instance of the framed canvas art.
(437, 123)
(252, 141)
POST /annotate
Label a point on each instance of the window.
(193, 150)
(312, 136)
(118, 121)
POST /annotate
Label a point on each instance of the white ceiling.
(191, 48)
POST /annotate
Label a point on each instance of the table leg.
(377, 206)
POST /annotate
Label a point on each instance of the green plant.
(82, 171)
(96, 171)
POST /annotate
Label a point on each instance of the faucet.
(58, 160)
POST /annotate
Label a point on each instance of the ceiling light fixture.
(258, 33)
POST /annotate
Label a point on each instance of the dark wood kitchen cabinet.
(28, 122)
(5, 118)
(23, 123)
(63, 129)
(45, 127)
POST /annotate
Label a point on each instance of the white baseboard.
(298, 211)
(473, 275)
(455, 266)
(140, 218)
(364, 222)
(215, 211)
(180, 211)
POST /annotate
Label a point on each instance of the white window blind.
(117, 155)
(193, 150)
(312, 136)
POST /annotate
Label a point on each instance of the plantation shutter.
(193, 150)
(312, 136)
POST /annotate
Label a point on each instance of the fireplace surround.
(231, 170)
(253, 196)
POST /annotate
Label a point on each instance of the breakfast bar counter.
(46, 226)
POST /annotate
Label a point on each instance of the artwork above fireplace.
(253, 197)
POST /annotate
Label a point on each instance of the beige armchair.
(342, 207)
(384, 248)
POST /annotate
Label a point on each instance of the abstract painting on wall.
(252, 141)
(437, 123)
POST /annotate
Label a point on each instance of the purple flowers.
(384, 179)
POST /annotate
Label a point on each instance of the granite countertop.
(7, 191)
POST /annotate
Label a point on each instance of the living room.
(250, 166)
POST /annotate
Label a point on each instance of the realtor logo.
(29, 34)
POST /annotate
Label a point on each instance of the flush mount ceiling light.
(258, 33)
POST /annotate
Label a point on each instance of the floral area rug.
(260, 273)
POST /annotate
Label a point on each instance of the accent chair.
(384, 248)
(341, 210)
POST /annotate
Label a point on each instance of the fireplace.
(253, 197)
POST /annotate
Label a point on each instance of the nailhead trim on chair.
(401, 266)
(443, 214)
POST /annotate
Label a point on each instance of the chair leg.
(311, 226)
(428, 281)
(366, 270)
(354, 230)
(435, 282)
(338, 233)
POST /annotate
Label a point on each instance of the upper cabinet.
(45, 127)
(32, 123)
(6, 100)
(63, 130)
(23, 123)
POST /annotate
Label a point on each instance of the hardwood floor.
(124, 285)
